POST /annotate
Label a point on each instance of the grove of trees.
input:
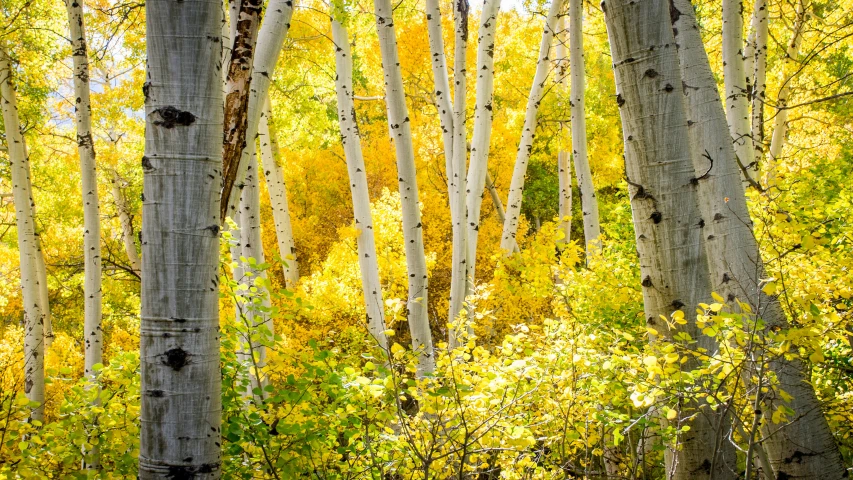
(426, 239)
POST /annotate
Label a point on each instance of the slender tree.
(760, 28)
(442, 89)
(734, 75)
(179, 335)
(278, 198)
(564, 166)
(664, 203)
(525, 146)
(127, 234)
(350, 138)
(589, 202)
(24, 205)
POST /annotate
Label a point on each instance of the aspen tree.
(589, 202)
(758, 95)
(564, 167)
(442, 89)
(525, 146)
(21, 190)
(401, 137)
(278, 198)
(126, 224)
(734, 76)
(477, 171)
(92, 334)
(179, 334)
(351, 139)
(664, 203)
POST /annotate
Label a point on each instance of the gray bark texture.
(27, 240)
(564, 166)
(126, 223)
(179, 334)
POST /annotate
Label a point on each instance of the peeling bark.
(127, 233)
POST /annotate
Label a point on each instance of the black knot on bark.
(677, 304)
(171, 117)
(647, 282)
(182, 472)
(656, 217)
(619, 99)
(650, 73)
(176, 358)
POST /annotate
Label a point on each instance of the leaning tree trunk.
(459, 269)
(271, 37)
(248, 17)
(537, 91)
(371, 287)
(667, 220)
(401, 136)
(589, 202)
(20, 170)
(278, 198)
(760, 27)
(482, 127)
(780, 123)
(92, 334)
(564, 166)
(126, 224)
(734, 78)
(179, 335)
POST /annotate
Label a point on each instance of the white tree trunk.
(179, 335)
(271, 37)
(780, 123)
(278, 198)
(482, 134)
(126, 223)
(736, 266)
(92, 334)
(589, 202)
(33, 312)
(734, 77)
(44, 293)
(442, 88)
(667, 220)
(459, 269)
(564, 168)
(401, 136)
(496, 199)
(760, 27)
(537, 90)
(351, 140)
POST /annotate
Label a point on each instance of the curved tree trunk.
(564, 167)
(271, 37)
(401, 136)
(482, 134)
(667, 220)
(589, 202)
(33, 311)
(537, 90)
(351, 140)
(734, 76)
(179, 335)
(278, 198)
(126, 224)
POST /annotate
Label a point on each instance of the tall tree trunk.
(482, 134)
(401, 136)
(278, 198)
(351, 140)
(179, 335)
(589, 202)
(44, 293)
(496, 199)
(734, 78)
(564, 167)
(442, 89)
(459, 269)
(537, 91)
(93, 335)
(33, 310)
(271, 37)
(780, 123)
(667, 220)
(126, 224)
(760, 27)
(237, 94)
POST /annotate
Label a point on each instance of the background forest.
(561, 362)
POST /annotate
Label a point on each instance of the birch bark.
(760, 25)
(482, 133)
(564, 168)
(401, 136)
(664, 203)
(442, 89)
(278, 198)
(179, 335)
(271, 37)
(351, 140)
(20, 170)
(589, 202)
(516, 188)
(93, 336)
(734, 78)
(126, 224)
